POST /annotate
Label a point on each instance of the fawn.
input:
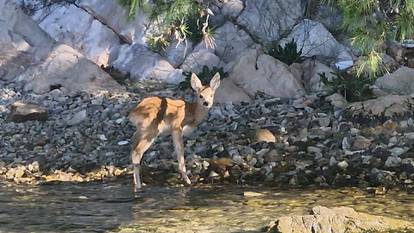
(156, 115)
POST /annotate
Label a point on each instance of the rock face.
(34, 59)
(197, 59)
(22, 42)
(400, 82)
(141, 63)
(228, 92)
(132, 31)
(255, 71)
(386, 106)
(231, 41)
(311, 78)
(315, 40)
(73, 26)
(21, 112)
(269, 20)
(337, 220)
(67, 68)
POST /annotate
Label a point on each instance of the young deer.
(156, 115)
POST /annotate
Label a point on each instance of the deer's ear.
(215, 81)
(195, 82)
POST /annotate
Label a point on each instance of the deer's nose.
(205, 104)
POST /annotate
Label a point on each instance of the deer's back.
(158, 113)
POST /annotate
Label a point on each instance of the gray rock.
(131, 30)
(67, 68)
(393, 161)
(73, 26)
(387, 106)
(175, 53)
(343, 165)
(232, 8)
(361, 143)
(228, 92)
(255, 71)
(196, 60)
(142, 64)
(399, 82)
(269, 20)
(77, 118)
(314, 40)
(231, 41)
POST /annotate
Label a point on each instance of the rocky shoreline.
(309, 141)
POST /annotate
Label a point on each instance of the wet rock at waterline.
(337, 220)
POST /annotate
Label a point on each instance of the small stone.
(253, 162)
(102, 137)
(252, 194)
(123, 143)
(345, 144)
(77, 118)
(393, 161)
(272, 156)
(119, 120)
(264, 135)
(343, 165)
(213, 174)
(324, 122)
(361, 143)
(397, 151)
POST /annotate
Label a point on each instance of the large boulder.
(400, 82)
(131, 30)
(232, 8)
(384, 107)
(176, 52)
(141, 63)
(231, 41)
(21, 112)
(269, 20)
(22, 42)
(255, 71)
(68, 69)
(198, 59)
(228, 92)
(315, 40)
(311, 78)
(72, 25)
(337, 220)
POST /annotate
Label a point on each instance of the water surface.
(111, 207)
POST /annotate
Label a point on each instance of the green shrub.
(351, 87)
(372, 23)
(205, 76)
(182, 19)
(288, 54)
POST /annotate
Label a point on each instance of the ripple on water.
(99, 207)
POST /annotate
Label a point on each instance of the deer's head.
(205, 94)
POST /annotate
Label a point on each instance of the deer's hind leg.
(177, 136)
(141, 143)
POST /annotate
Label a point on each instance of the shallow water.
(111, 207)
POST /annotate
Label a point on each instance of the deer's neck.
(194, 114)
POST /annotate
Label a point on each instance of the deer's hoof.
(186, 180)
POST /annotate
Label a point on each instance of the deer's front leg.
(177, 136)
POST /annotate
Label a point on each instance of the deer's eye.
(201, 96)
